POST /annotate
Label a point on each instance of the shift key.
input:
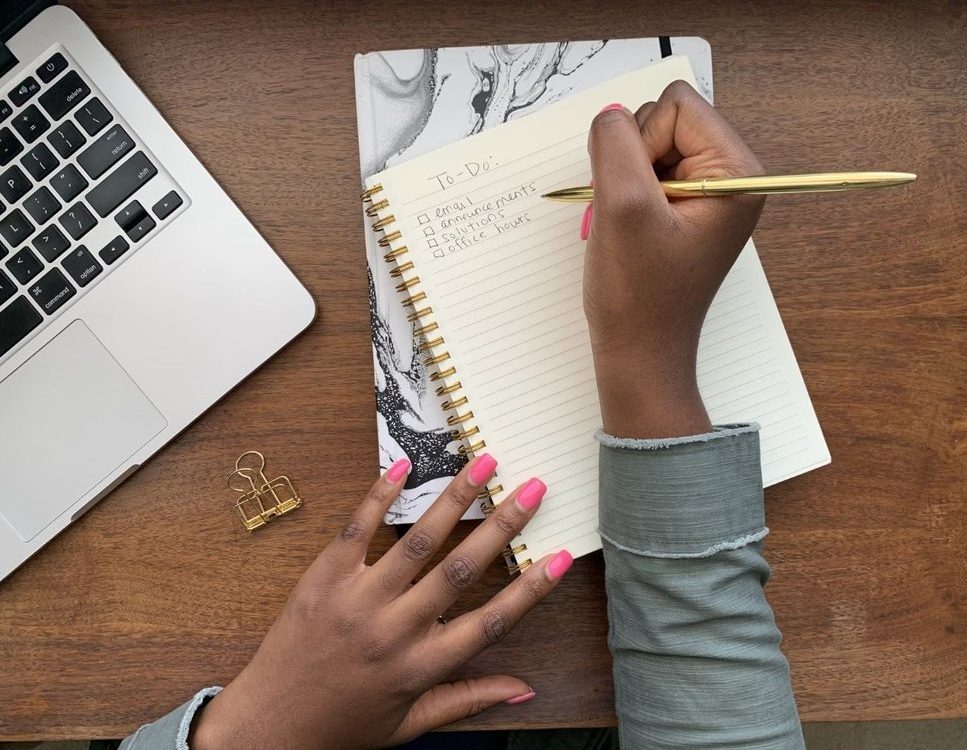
(121, 184)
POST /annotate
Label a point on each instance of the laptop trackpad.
(69, 416)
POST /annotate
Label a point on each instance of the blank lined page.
(502, 271)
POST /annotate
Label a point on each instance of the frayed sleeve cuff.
(170, 732)
(682, 497)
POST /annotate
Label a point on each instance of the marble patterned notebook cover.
(410, 102)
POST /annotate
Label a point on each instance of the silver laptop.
(133, 293)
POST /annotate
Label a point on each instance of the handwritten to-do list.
(499, 271)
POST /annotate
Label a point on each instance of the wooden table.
(158, 591)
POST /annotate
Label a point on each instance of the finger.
(684, 129)
(586, 218)
(460, 569)
(684, 125)
(471, 633)
(451, 701)
(641, 114)
(622, 171)
(410, 554)
(668, 159)
(348, 549)
(586, 221)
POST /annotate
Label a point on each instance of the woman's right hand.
(654, 264)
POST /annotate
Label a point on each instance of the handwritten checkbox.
(437, 253)
(431, 243)
(428, 232)
(423, 219)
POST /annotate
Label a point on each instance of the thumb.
(620, 165)
(452, 701)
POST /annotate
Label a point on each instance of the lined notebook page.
(502, 270)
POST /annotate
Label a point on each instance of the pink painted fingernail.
(482, 469)
(586, 222)
(616, 105)
(523, 698)
(399, 470)
(561, 563)
(531, 494)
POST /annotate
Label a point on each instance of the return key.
(105, 152)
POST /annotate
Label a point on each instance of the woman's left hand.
(357, 657)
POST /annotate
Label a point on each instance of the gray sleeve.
(170, 732)
(696, 649)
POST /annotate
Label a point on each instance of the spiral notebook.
(492, 276)
(413, 101)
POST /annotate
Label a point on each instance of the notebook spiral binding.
(437, 356)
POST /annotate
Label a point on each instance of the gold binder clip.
(261, 500)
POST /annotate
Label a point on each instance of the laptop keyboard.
(79, 193)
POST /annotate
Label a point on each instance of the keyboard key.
(5, 110)
(26, 89)
(51, 243)
(24, 266)
(77, 220)
(64, 95)
(68, 183)
(163, 208)
(52, 68)
(31, 123)
(82, 266)
(141, 228)
(39, 161)
(114, 249)
(66, 139)
(15, 228)
(130, 215)
(93, 116)
(14, 184)
(3, 251)
(51, 291)
(41, 205)
(7, 288)
(10, 146)
(121, 184)
(17, 320)
(105, 152)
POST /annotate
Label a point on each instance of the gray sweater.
(696, 650)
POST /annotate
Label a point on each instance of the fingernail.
(586, 222)
(482, 469)
(399, 470)
(523, 698)
(561, 563)
(616, 105)
(531, 494)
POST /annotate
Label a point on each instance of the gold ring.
(390, 256)
(463, 450)
(390, 238)
(376, 208)
(369, 192)
(401, 269)
(459, 418)
(413, 299)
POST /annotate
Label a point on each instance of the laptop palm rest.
(69, 416)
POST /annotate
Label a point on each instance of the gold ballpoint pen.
(822, 182)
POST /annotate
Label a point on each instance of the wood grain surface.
(158, 591)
